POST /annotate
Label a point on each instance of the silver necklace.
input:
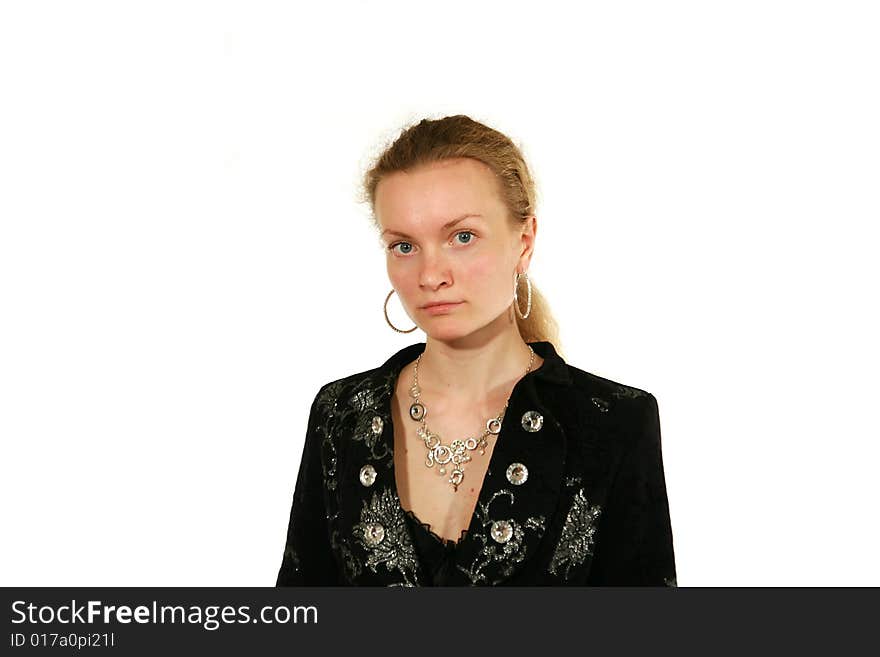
(457, 450)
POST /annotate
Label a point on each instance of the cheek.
(483, 274)
(395, 271)
(402, 278)
(478, 270)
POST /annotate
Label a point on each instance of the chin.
(447, 333)
(451, 331)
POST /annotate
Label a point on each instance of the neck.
(475, 368)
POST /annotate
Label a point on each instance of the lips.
(440, 303)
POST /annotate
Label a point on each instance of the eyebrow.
(444, 227)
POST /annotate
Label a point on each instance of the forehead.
(435, 193)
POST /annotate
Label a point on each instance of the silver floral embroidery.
(576, 541)
(363, 431)
(368, 397)
(351, 407)
(395, 549)
(509, 553)
(363, 399)
(328, 462)
(627, 391)
(327, 405)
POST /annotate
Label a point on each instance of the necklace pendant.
(442, 454)
(455, 479)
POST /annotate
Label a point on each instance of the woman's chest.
(424, 474)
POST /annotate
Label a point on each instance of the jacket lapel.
(511, 518)
(372, 535)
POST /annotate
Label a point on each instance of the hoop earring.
(389, 321)
(516, 296)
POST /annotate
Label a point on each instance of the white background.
(183, 260)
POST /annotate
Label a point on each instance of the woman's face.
(471, 261)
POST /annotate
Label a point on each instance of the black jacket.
(592, 510)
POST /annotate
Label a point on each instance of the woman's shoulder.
(618, 412)
(591, 383)
(610, 402)
(362, 388)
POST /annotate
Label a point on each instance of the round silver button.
(532, 421)
(368, 475)
(374, 532)
(501, 531)
(377, 425)
(517, 473)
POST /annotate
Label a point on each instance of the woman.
(479, 457)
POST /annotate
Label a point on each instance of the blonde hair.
(432, 140)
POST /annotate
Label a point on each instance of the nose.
(435, 272)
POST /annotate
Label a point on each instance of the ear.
(527, 241)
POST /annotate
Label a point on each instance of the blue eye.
(391, 247)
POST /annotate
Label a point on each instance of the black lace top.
(436, 554)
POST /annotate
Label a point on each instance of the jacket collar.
(509, 520)
(553, 370)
